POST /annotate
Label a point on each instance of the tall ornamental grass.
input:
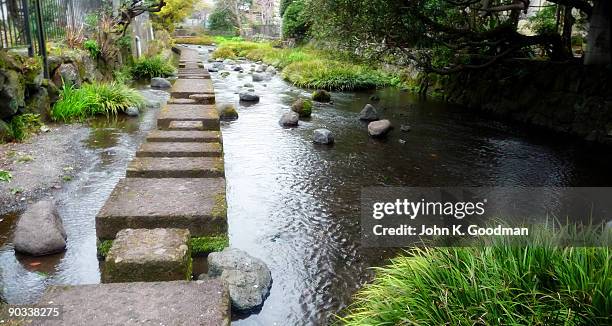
(95, 99)
(503, 283)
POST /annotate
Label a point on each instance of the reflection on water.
(296, 205)
(111, 144)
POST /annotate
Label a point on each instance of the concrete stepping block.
(186, 126)
(207, 114)
(176, 167)
(177, 136)
(148, 255)
(196, 204)
(182, 101)
(203, 98)
(167, 149)
(160, 303)
(182, 88)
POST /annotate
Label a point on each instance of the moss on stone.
(321, 96)
(220, 208)
(219, 165)
(104, 247)
(205, 245)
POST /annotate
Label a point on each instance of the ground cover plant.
(149, 67)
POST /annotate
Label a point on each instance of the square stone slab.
(137, 203)
(207, 114)
(186, 125)
(148, 255)
(176, 167)
(203, 98)
(178, 136)
(181, 101)
(179, 150)
(182, 88)
(153, 303)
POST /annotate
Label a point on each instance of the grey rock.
(257, 77)
(212, 69)
(158, 82)
(228, 62)
(323, 136)
(379, 128)
(5, 132)
(271, 70)
(218, 65)
(68, 73)
(260, 68)
(249, 97)
(40, 231)
(132, 111)
(238, 68)
(228, 112)
(249, 85)
(321, 95)
(289, 119)
(369, 113)
(12, 92)
(405, 128)
(224, 74)
(248, 278)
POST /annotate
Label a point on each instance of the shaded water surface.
(295, 205)
(110, 146)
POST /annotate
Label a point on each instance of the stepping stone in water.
(166, 303)
(181, 101)
(143, 255)
(196, 204)
(203, 98)
(176, 167)
(207, 114)
(177, 136)
(184, 87)
(186, 125)
(167, 149)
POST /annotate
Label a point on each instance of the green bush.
(295, 21)
(24, 125)
(333, 75)
(502, 283)
(95, 99)
(92, 47)
(149, 67)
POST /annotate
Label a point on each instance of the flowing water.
(295, 205)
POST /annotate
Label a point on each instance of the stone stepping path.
(180, 149)
(196, 204)
(148, 255)
(174, 136)
(176, 167)
(207, 114)
(174, 190)
(152, 303)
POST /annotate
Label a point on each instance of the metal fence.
(19, 19)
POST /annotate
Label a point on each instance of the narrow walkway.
(174, 190)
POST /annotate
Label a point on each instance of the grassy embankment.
(500, 283)
(305, 66)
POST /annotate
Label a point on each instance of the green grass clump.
(206, 245)
(104, 247)
(501, 283)
(22, 126)
(95, 99)
(5, 176)
(149, 67)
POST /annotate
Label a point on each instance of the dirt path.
(41, 165)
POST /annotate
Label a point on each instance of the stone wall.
(24, 90)
(569, 98)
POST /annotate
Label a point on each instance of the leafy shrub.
(24, 125)
(149, 67)
(93, 48)
(333, 75)
(503, 283)
(295, 21)
(95, 99)
(5, 176)
(222, 20)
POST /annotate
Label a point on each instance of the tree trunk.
(599, 40)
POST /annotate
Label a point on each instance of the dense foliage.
(296, 21)
(173, 12)
(222, 20)
(95, 99)
(506, 283)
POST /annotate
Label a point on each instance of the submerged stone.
(369, 113)
(379, 128)
(289, 119)
(323, 136)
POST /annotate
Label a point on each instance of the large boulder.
(40, 231)
(67, 73)
(289, 119)
(248, 278)
(303, 108)
(321, 96)
(158, 82)
(5, 132)
(248, 96)
(132, 111)
(323, 136)
(379, 128)
(39, 102)
(12, 92)
(369, 113)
